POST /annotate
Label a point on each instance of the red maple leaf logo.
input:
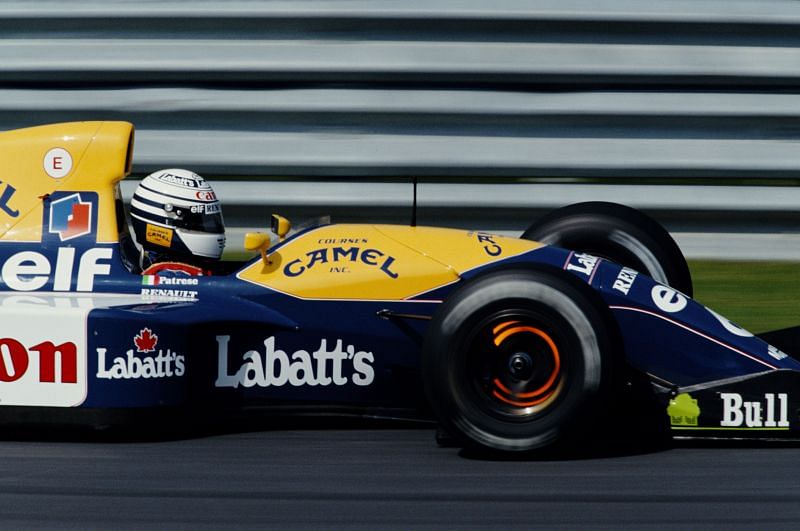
(145, 340)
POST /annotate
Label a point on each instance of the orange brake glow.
(511, 331)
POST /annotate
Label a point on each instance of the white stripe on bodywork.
(696, 332)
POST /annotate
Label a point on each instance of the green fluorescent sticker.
(683, 411)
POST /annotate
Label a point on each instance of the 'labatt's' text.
(273, 367)
(142, 362)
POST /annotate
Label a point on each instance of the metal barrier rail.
(507, 208)
(544, 88)
(717, 222)
(354, 90)
(465, 196)
(335, 132)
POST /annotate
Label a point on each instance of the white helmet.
(176, 213)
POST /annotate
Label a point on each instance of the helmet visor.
(203, 222)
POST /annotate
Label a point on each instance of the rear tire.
(520, 360)
(618, 233)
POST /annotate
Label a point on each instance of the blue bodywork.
(221, 343)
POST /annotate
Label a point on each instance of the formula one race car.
(509, 344)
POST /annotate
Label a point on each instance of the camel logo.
(683, 410)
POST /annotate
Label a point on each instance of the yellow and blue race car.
(579, 327)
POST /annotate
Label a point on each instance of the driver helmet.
(176, 216)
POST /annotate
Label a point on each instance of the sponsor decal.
(30, 270)
(145, 340)
(776, 353)
(186, 182)
(625, 280)
(158, 235)
(487, 241)
(70, 217)
(159, 293)
(139, 363)
(772, 412)
(729, 326)
(683, 410)
(668, 299)
(275, 368)
(213, 208)
(155, 280)
(342, 241)
(43, 354)
(582, 263)
(5, 199)
(57, 363)
(336, 255)
(57, 163)
(206, 195)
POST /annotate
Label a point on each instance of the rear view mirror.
(280, 226)
(257, 241)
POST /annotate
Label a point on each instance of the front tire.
(520, 360)
(619, 233)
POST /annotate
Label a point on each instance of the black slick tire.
(520, 360)
(618, 233)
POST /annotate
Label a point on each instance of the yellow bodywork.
(37, 161)
(381, 262)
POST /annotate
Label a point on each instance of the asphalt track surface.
(384, 478)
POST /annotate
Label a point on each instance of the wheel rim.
(516, 366)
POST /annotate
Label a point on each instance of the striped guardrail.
(720, 222)
(508, 93)
(507, 89)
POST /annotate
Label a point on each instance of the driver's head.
(176, 216)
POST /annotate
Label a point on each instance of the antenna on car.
(414, 204)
